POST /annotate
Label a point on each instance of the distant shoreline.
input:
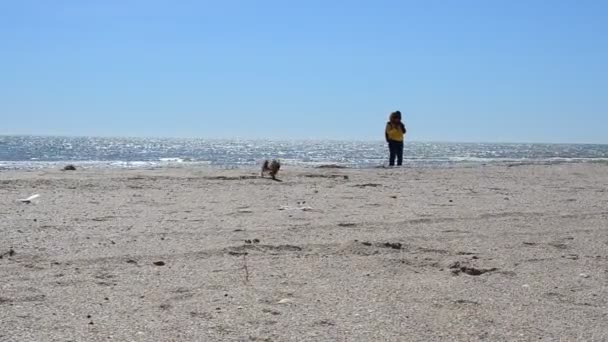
(408, 164)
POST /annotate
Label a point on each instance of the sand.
(490, 253)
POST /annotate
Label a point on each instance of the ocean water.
(30, 152)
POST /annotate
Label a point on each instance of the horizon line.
(293, 139)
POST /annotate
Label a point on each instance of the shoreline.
(408, 163)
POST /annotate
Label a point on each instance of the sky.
(472, 71)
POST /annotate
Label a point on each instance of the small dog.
(271, 167)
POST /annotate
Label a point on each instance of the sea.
(35, 152)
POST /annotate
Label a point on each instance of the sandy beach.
(491, 253)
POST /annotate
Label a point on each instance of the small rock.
(248, 242)
(584, 275)
(159, 263)
(256, 240)
(69, 167)
(10, 253)
(89, 316)
(272, 312)
(393, 245)
(476, 271)
(450, 201)
(455, 264)
(285, 301)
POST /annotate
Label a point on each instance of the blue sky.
(514, 71)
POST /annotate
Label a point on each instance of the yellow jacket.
(395, 133)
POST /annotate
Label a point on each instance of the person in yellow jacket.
(394, 133)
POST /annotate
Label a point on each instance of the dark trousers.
(395, 149)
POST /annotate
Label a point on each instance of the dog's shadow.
(273, 179)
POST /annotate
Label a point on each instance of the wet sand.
(486, 253)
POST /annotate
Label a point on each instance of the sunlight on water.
(34, 152)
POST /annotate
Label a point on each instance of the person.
(394, 133)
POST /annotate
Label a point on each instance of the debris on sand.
(331, 166)
(476, 271)
(393, 245)
(29, 199)
(367, 185)
(458, 268)
(303, 208)
(159, 263)
(10, 253)
(69, 167)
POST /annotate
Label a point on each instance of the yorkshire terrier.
(271, 167)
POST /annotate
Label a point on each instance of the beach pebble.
(584, 275)
(285, 301)
(159, 263)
